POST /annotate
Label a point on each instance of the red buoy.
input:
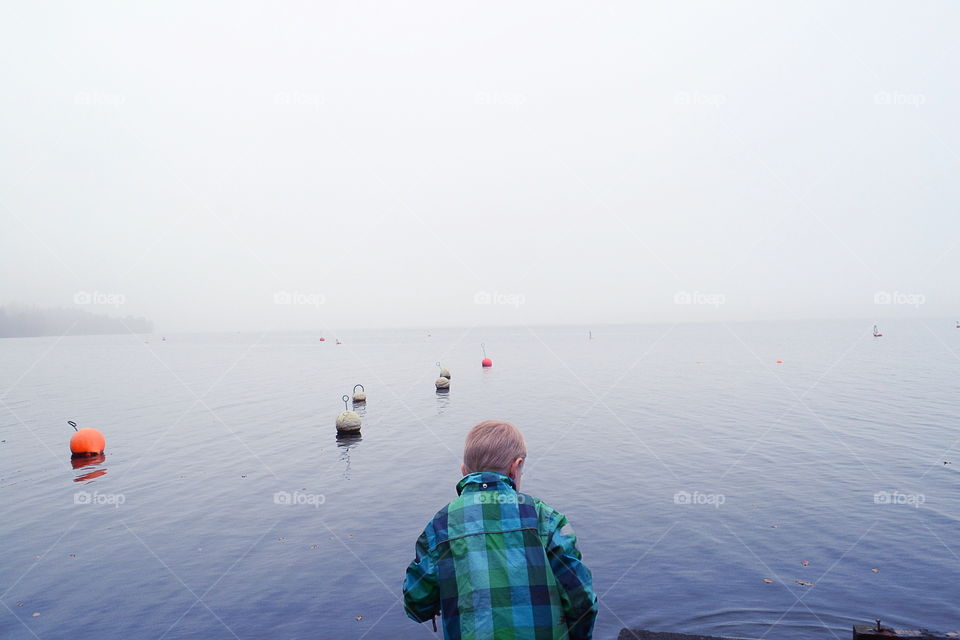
(86, 441)
(779, 361)
(486, 362)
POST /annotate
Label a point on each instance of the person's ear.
(463, 469)
(516, 468)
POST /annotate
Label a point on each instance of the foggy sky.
(287, 166)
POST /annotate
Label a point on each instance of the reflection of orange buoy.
(779, 361)
(88, 461)
(86, 441)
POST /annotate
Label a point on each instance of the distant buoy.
(338, 341)
(347, 421)
(444, 372)
(442, 383)
(486, 362)
(779, 361)
(359, 396)
(322, 339)
(86, 441)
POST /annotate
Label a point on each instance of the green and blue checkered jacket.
(500, 565)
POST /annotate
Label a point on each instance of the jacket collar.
(485, 481)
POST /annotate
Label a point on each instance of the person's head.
(495, 445)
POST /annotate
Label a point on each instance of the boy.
(496, 563)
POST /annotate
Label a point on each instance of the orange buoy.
(779, 361)
(86, 441)
(486, 362)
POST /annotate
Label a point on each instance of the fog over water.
(298, 166)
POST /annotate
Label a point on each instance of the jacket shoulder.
(548, 518)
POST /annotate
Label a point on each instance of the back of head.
(493, 445)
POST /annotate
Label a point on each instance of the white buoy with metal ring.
(347, 421)
(444, 372)
(359, 396)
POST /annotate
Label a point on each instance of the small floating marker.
(347, 421)
(486, 362)
(338, 341)
(86, 441)
(442, 384)
(876, 332)
(779, 361)
(359, 396)
(322, 339)
(444, 372)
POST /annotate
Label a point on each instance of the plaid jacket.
(500, 565)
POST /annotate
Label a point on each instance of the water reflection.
(346, 442)
(443, 400)
(360, 408)
(90, 467)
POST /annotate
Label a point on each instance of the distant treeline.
(22, 322)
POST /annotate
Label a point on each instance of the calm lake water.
(691, 464)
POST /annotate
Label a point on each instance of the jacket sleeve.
(421, 599)
(576, 593)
